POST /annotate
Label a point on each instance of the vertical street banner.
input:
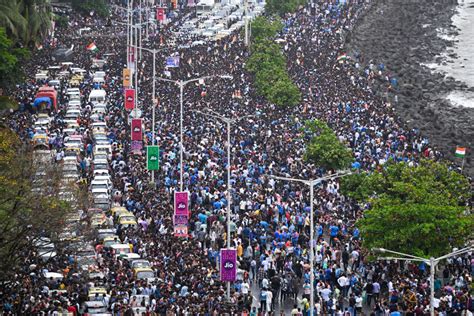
(191, 3)
(181, 214)
(129, 99)
(228, 265)
(160, 14)
(126, 77)
(152, 158)
(136, 147)
(137, 129)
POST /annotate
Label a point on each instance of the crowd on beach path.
(270, 219)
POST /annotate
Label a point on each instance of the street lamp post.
(311, 184)
(153, 51)
(181, 85)
(433, 262)
(229, 122)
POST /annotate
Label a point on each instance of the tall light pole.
(246, 40)
(311, 184)
(432, 262)
(153, 51)
(181, 85)
(229, 122)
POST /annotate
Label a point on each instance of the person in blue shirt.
(355, 234)
(333, 231)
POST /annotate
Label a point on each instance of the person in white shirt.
(325, 293)
(269, 301)
(344, 283)
(245, 289)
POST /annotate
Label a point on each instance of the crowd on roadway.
(157, 273)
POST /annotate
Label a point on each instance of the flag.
(342, 57)
(92, 47)
(460, 152)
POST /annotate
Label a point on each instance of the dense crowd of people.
(270, 218)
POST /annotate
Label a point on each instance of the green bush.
(281, 7)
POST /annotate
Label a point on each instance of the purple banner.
(181, 214)
(136, 147)
(228, 265)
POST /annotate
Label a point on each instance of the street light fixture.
(181, 85)
(153, 51)
(311, 184)
(229, 122)
(432, 262)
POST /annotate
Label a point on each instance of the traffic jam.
(95, 239)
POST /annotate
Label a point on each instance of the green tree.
(429, 182)
(264, 29)
(25, 21)
(10, 61)
(419, 210)
(266, 54)
(324, 148)
(281, 7)
(11, 18)
(423, 230)
(284, 93)
(25, 214)
(38, 16)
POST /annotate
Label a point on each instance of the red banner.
(129, 99)
(160, 14)
(137, 129)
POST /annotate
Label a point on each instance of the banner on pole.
(152, 157)
(228, 265)
(160, 14)
(137, 129)
(172, 62)
(181, 214)
(131, 54)
(126, 77)
(129, 99)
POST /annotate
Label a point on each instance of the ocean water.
(462, 66)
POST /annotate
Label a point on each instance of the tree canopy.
(281, 7)
(26, 21)
(268, 64)
(324, 148)
(419, 210)
(25, 214)
(10, 60)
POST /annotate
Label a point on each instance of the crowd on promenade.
(270, 219)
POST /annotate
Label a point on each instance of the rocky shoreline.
(403, 35)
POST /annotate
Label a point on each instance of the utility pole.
(246, 41)
(229, 122)
(432, 262)
(311, 184)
